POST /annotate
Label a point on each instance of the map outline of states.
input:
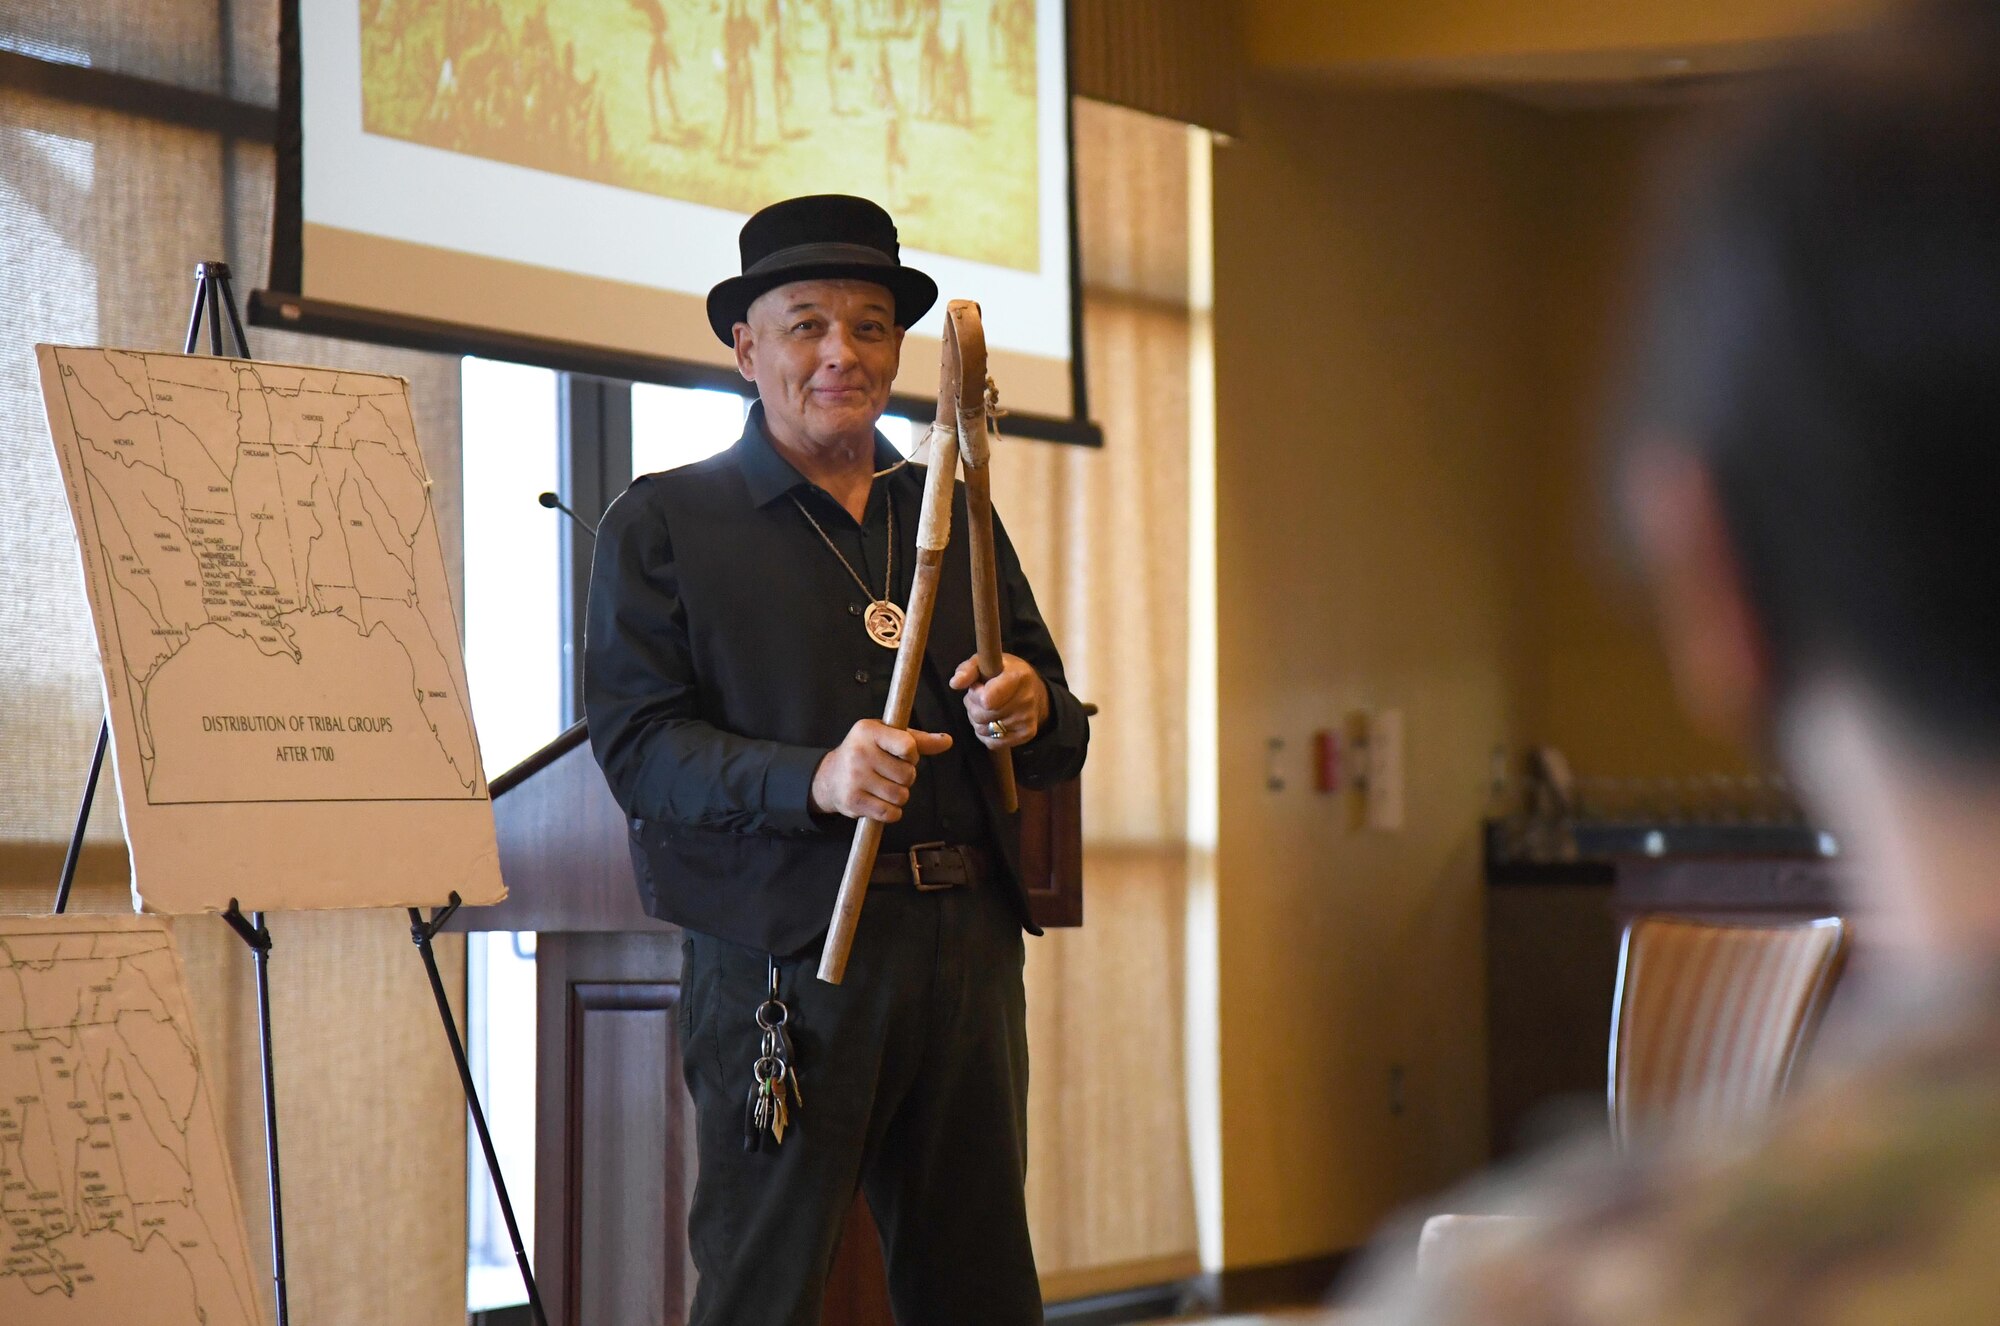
(122, 965)
(242, 590)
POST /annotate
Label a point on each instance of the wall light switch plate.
(1385, 770)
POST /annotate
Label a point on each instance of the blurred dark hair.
(1823, 330)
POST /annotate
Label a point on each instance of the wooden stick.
(933, 533)
(975, 449)
(902, 696)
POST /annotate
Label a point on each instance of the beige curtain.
(1104, 537)
(102, 217)
(1178, 58)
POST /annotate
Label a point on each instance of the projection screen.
(577, 170)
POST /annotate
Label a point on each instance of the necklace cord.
(888, 571)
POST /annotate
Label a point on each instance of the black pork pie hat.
(825, 236)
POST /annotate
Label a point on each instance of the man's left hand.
(1017, 699)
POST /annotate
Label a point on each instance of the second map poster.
(114, 1180)
(290, 718)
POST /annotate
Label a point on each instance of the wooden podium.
(614, 1128)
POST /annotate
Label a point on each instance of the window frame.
(593, 466)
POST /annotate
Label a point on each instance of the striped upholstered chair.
(1710, 1020)
(1707, 1025)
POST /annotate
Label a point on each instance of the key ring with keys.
(774, 1081)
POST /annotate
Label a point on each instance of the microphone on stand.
(554, 503)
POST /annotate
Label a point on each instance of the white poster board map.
(291, 724)
(115, 1191)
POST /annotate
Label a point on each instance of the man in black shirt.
(738, 650)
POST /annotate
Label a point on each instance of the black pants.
(914, 1074)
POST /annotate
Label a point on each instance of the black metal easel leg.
(258, 936)
(75, 853)
(229, 304)
(214, 314)
(200, 307)
(421, 933)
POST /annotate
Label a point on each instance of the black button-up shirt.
(726, 654)
(944, 802)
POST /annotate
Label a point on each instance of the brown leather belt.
(931, 867)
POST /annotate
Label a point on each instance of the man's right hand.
(868, 775)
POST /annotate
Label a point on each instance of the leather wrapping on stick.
(975, 441)
(934, 524)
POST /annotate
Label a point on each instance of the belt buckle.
(917, 870)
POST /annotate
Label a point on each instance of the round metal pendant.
(884, 621)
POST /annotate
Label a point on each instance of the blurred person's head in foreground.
(1811, 459)
(1810, 471)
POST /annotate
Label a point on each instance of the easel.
(212, 294)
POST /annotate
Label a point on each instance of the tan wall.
(1415, 294)
(1369, 475)
(1593, 680)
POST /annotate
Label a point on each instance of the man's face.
(822, 354)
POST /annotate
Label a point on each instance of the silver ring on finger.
(997, 730)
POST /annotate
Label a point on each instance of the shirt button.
(854, 609)
(861, 676)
